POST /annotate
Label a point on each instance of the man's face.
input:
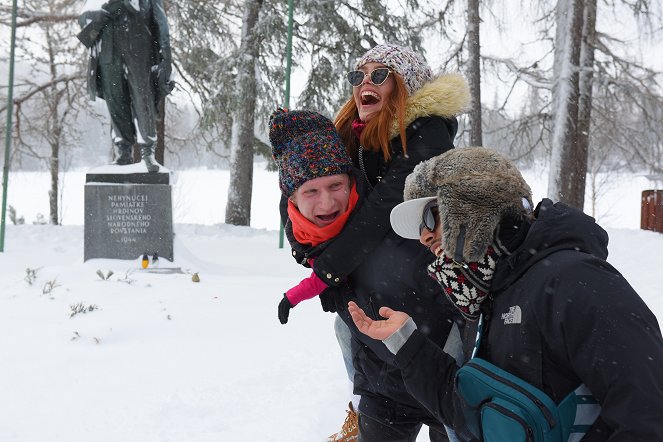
(432, 239)
(322, 200)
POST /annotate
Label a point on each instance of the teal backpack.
(500, 407)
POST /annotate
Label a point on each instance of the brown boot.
(350, 429)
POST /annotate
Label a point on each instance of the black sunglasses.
(428, 217)
(377, 76)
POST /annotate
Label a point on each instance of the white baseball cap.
(406, 217)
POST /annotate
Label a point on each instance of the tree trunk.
(54, 134)
(238, 209)
(54, 191)
(565, 171)
(586, 78)
(474, 71)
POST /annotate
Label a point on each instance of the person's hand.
(381, 329)
(284, 310)
(164, 83)
(327, 299)
(333, 298)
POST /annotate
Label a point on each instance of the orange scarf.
(306, 232)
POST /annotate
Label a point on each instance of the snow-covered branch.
(41, 87)
(527, 74)
(31, 17)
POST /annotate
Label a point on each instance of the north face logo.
(514, 316)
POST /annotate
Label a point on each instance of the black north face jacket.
(561, 316)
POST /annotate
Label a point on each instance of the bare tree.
(585, 86)
(566, 165)
(583, 80)
(474, 71)
(238, 208)
(49, 97)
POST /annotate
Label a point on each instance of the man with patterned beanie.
(317, 182)
(566, 349)
(315, 175)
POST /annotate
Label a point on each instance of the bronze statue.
(129, 67)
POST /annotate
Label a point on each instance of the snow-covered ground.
(162, 358)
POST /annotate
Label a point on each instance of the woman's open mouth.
(369, 98)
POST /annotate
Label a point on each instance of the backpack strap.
(579, 410)
(477, 341)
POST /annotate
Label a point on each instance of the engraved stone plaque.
(125, 220)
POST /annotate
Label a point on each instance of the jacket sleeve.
(614, 345)
(366, 229)
(306, 289)
(429, 374)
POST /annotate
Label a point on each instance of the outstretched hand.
(381, 329)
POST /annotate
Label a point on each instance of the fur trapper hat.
(305, 145)
(475, 188)
(411, 66)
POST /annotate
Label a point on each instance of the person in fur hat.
(323, 194)
(398, 115)
(552, 311)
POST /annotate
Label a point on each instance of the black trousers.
(384, 420)
(129, 95)
(372, 430)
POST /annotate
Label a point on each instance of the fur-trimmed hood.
(445, 96)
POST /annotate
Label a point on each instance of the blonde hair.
(376, 136)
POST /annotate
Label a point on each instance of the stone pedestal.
(128, 212)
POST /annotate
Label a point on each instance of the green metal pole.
(288, 65)
(288, 56)
(8, 132)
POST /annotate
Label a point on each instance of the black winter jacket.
(393, 274)
(430, 130)
(561, 316)
(369, 263)
(426, 138)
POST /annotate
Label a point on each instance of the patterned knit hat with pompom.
(404, 61)
(305, 145)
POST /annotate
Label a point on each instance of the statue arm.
(164, 58)
(97, 17)
(163, 36)
(91, 23)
